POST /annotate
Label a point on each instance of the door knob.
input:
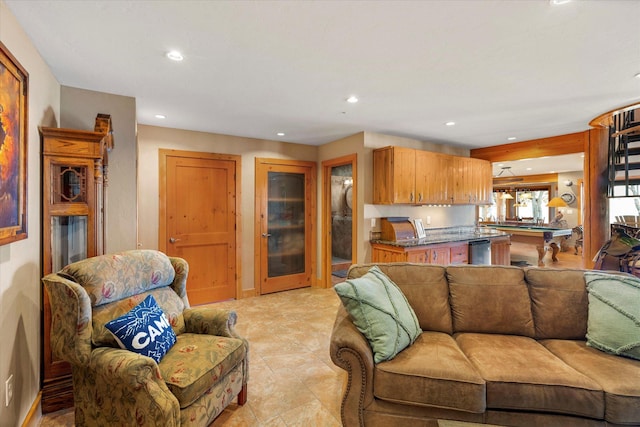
(173, 240)
(266, 234)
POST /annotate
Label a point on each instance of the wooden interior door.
(199, 221)
(285, 224)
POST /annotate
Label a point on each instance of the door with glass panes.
(285, 224)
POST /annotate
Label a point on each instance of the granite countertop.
(432, 239)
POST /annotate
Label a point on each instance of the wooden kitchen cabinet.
(428, 254)
(408, 176)
(459, 253)
(394, 175)
(501, 251)
(433, 180)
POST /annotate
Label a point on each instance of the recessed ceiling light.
(558, 2)
(529, 169)
(280, 133)
(352, 99)
(174, 55)
(512, 138)
(637, 76)
(160, 116)
(450, 124)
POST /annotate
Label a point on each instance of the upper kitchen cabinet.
(394, 176)
(408, 176)
(472, 181)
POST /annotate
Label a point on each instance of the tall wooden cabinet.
(74, 171)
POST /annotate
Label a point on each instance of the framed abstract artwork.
(14, 89)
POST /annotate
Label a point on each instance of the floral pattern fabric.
(196, 362)
(108, 278)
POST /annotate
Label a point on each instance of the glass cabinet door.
(68, 240)
(286, 223)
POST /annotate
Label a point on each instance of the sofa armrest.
(71, 326)
(211, 321)
(350, 351)
(127, 386)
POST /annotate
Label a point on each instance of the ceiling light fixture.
(558, 2)
(511, 138)
(160, 116)
(174, 55)
(637, 76)
(352, 99)
(506, 169)
(450, 124)
(280, 133)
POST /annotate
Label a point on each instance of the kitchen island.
(443, 247)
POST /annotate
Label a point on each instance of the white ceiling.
(525, 69)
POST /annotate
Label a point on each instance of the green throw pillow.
(381, 312)
(613, 324)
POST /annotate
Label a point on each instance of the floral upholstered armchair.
(204, 369)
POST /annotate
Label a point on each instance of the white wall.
(20, 289)
(78, 110)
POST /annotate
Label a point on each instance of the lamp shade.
(506, 196)
(557, 202)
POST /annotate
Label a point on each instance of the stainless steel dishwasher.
(480, 252)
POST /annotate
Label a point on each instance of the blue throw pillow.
(144, 330)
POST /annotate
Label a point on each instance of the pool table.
(537, 236)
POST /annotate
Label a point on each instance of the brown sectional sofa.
(500, 345)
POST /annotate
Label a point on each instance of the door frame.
(163, 154)
(327, 165)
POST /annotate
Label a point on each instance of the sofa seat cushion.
(521, 374)
(431, 372)
(196, 362)
(618, 377)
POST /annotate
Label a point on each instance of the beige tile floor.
(292, 379)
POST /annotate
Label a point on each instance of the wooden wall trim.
(605, 119)
(551, 146)
(524, 180)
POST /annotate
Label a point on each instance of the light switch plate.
(8, 390)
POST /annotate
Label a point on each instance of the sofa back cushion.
(559, 303)
(490, 299)
(424, 286)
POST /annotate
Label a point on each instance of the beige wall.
(20, 261)
(78, 110)
(151, 139)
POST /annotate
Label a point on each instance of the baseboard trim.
(35, 412)
(248, 293)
